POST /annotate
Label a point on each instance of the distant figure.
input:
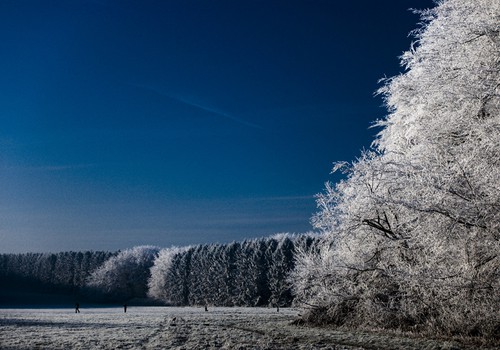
(206, 308)
(277, 308)
(77, 308)
(125, 308)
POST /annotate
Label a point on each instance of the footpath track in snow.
(183, 328)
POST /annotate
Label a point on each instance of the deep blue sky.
(178, 122)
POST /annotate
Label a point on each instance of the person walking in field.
(77, 308)
(125, 308)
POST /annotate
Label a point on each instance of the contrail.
(200, 106)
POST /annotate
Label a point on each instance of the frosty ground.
(184, 328)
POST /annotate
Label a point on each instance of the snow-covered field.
(182, 328)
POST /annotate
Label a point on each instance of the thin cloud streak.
(200, 106)
(215, 111)
(53, 167)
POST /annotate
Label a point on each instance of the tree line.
(65, 272)
(249, 273)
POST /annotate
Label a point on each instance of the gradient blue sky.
(125, 123)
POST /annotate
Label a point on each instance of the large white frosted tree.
(413, 232)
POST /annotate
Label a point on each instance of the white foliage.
(158, 283)
(159, 271)
(251, 273)
(413, 232)
(126, 274)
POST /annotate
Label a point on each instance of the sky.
(126, 123)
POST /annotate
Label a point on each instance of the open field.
(183, 328)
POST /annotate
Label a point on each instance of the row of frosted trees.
(248, 273)
(97, 276)
(46, 272)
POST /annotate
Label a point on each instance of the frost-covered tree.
(412, 234)
(282, 262)
(125, 275)
(245, 288)
(158, 283)
(249, 279)
(177, 278)
(200, 280)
